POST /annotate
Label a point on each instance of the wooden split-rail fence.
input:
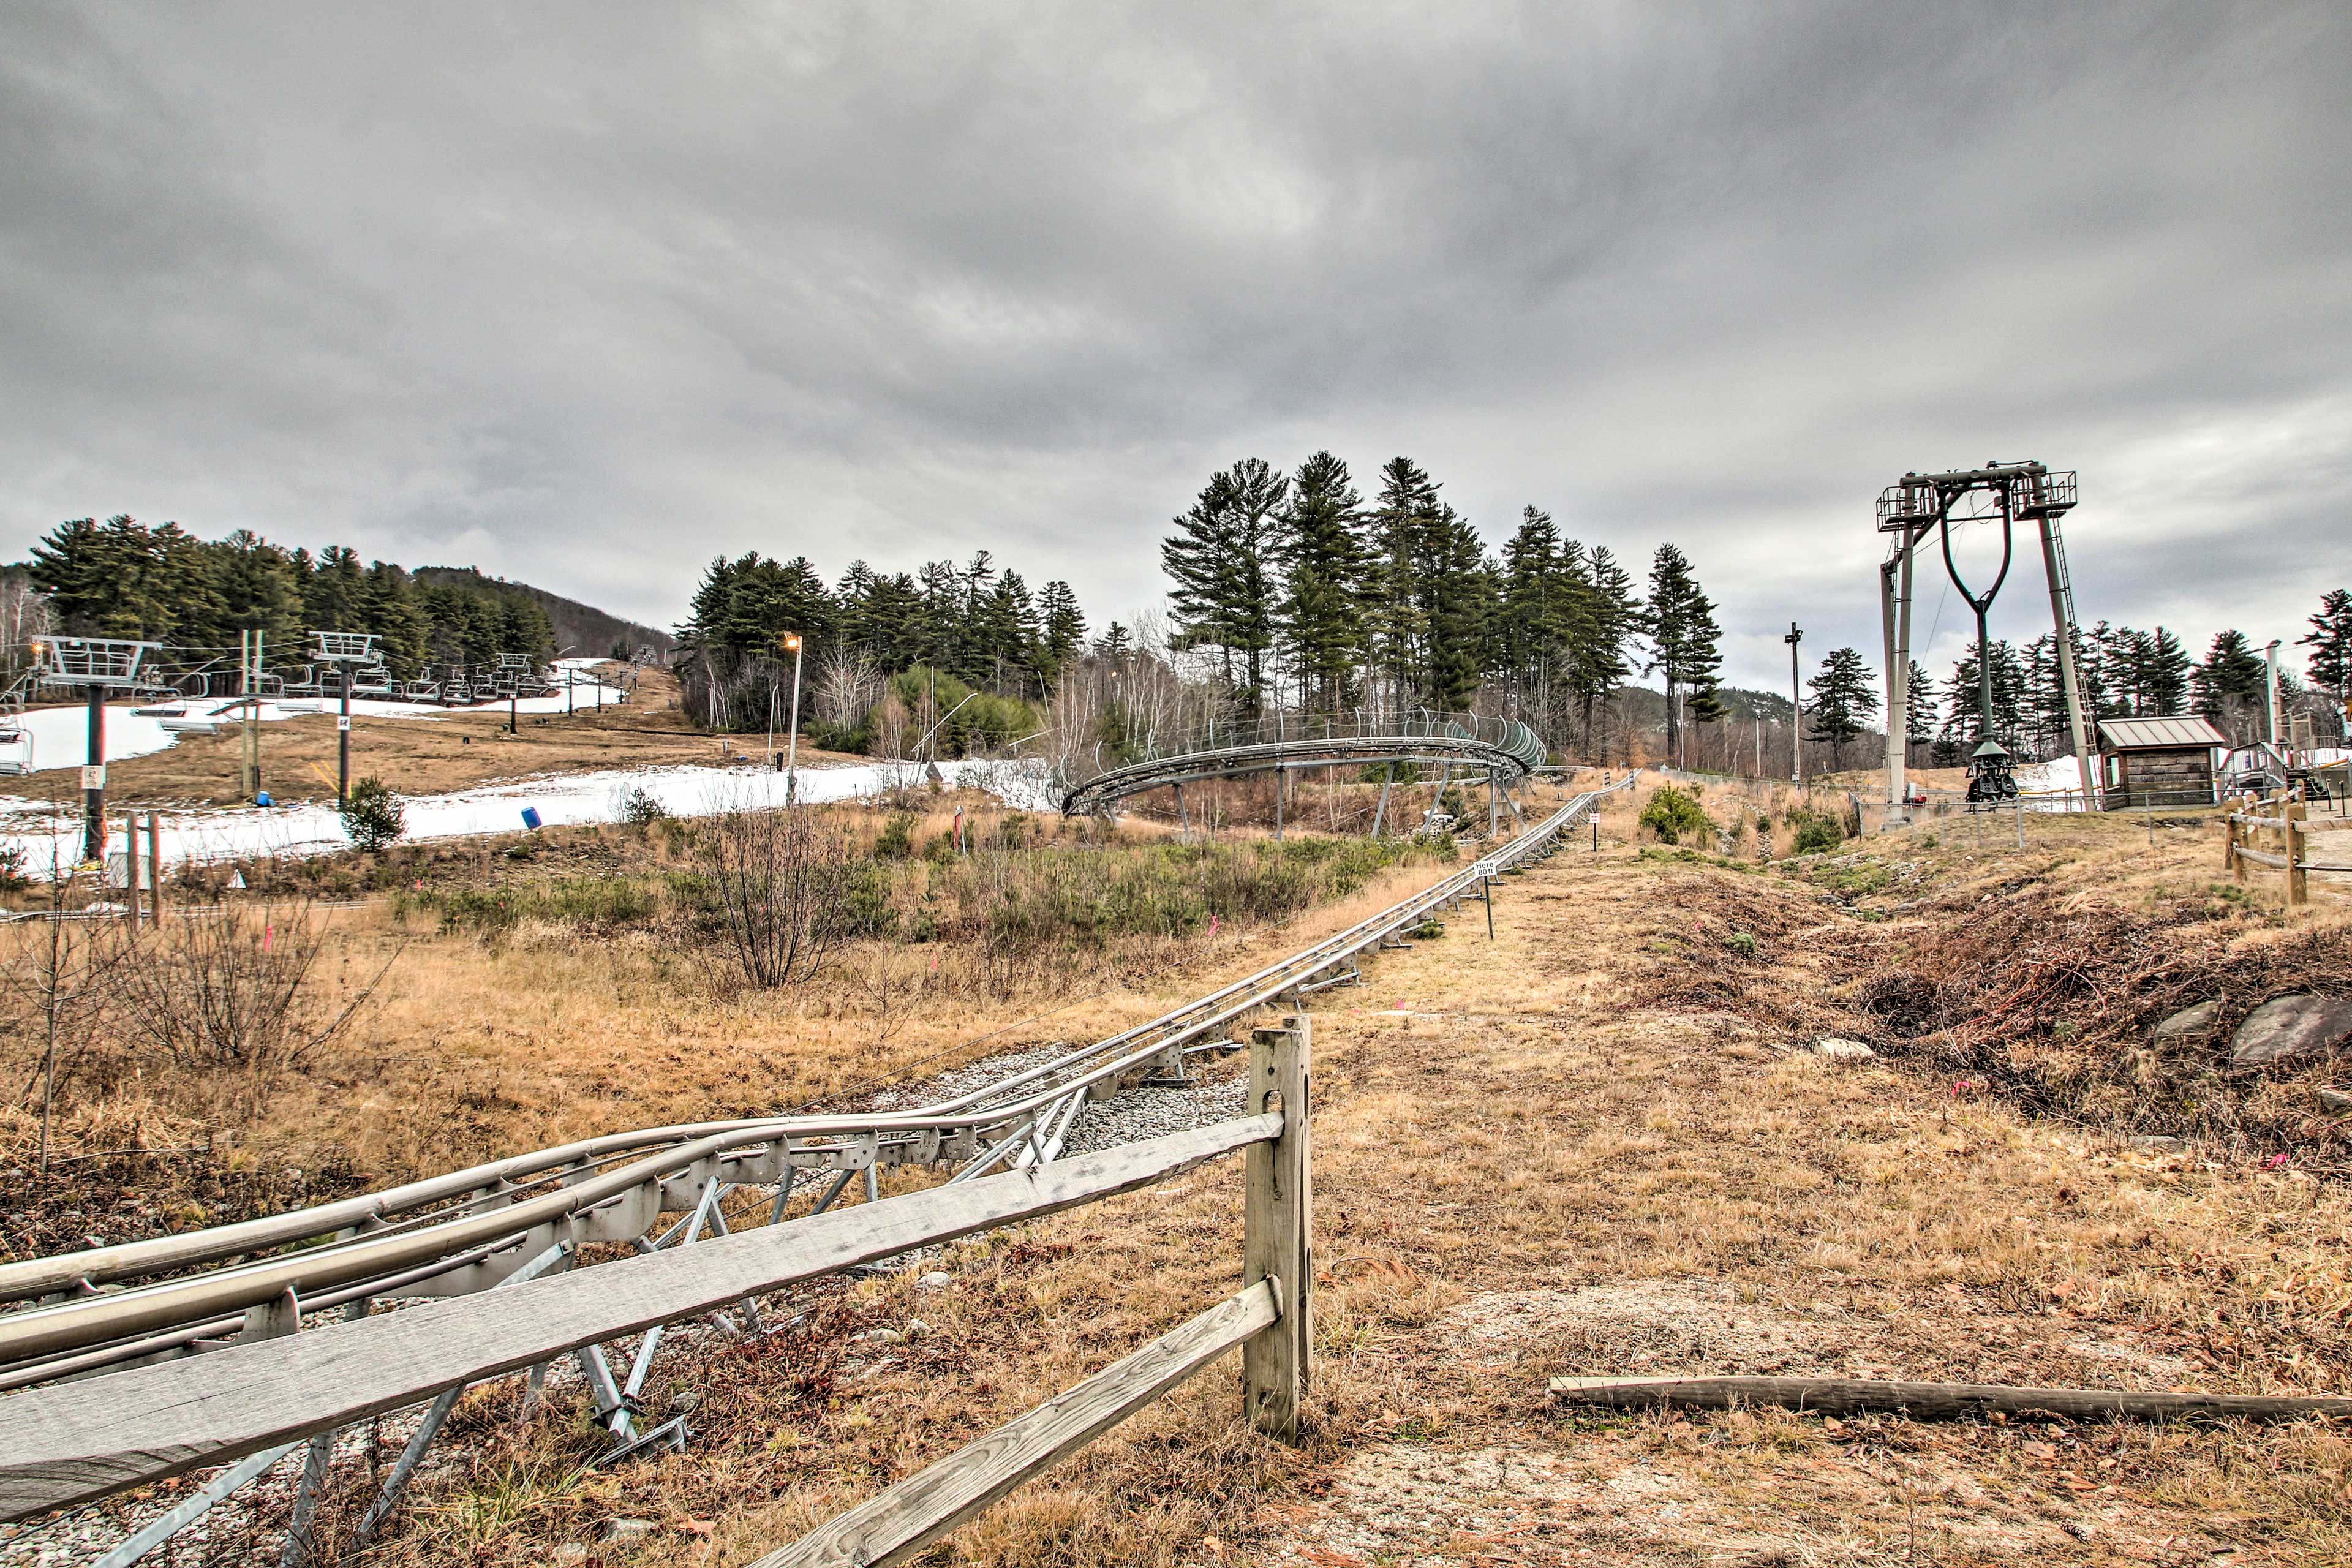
(2291, 832)
(262, 1399)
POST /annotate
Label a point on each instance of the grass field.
(1598, 1143)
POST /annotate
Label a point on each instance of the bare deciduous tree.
(781, 883)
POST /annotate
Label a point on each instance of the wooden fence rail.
(2293, 830)
(1271, 1319)
(60, 1445)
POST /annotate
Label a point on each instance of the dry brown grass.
(1574, 1149)
(1522, 1171)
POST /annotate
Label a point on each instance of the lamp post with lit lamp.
(792, 729)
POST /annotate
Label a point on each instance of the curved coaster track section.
(106, 1310)
(1505, 750)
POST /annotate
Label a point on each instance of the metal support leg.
(397, 1482)
(1183, 818)
(306, 1501)
(1381, 811)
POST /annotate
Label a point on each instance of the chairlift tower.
(347, 651)
(1921, 504)
(97, 666)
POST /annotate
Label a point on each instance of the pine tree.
(2233, 685)
(2330, 642)
(1843, 700)
(1919, 707)
(1684, 640)
(1323, 562)
(1221, 561)
(1963, 724)
(1460, 597)
(1065, 626)
(1404, 516)
(1605, 624)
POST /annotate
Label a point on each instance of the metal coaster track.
(1503, 749)
(107, 1308)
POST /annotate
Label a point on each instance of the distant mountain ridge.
(589, 631)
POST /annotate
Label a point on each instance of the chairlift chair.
(16, 750)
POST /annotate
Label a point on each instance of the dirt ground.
(1526, 1165)
(451, 750)
(1549, 1153)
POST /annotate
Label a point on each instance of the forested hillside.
(586, 630)
(123, 578)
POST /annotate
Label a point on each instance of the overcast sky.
(587, 294)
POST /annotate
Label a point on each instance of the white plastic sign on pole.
(94, 777)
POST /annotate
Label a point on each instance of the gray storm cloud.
(589, 294)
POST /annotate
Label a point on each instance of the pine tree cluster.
(123, 578)
(1308, 594)
(978, 624)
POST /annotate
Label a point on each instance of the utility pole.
(249, 688)
(792, 730)
(1796, 710)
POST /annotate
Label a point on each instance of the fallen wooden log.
(1933, 1401)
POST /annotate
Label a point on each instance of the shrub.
(1816, 830)
(896, 839)
(373, 815)
(1741, 942)
(638, 808)
(237, 988)
(1671, 813)
(12, 869)
(781, 880)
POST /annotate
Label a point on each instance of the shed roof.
(2154, 734)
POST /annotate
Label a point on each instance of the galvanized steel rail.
(105, 1307)
(1503, 749)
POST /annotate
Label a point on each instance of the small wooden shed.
(2158, 761)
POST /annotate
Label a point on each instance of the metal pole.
(1796, 710)
(1902, 713)
(1278, 802)
(2069, 680)
(93, 780)
(1895, 726)
(2271, 706)
(343, 737)
(130, 868)
(793, 735)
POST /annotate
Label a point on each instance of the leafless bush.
(781, 881)
(61, 987)
(237, 986)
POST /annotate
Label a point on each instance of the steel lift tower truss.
(1921, 504)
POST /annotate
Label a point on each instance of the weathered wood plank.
(62, 1444)
(1849, 1396)
(2263, 858)
(897, 1524)
(1275, 1242)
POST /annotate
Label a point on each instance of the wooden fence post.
(1277, 1229)
(2229, 861)
(2298, 847)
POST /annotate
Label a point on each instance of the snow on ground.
(2058, 772)
(48, 838)
(60, 736)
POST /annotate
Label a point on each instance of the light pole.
(792, 730)
(1796, 710)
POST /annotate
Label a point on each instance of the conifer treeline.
(2127, 673)
(977, 623)
(1308, 595)
(123, 578)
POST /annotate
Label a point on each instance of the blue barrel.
(530, 817)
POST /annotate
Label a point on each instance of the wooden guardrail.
(60, 1446)
(2293, 829)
